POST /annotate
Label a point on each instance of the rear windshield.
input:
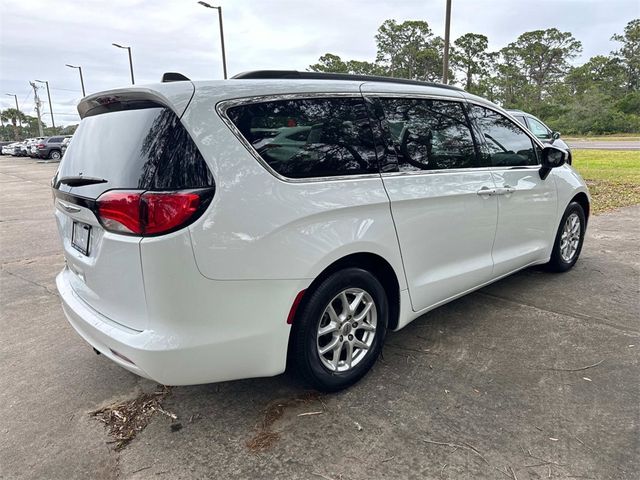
(134, 149)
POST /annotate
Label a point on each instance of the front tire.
(569, 239)
(339, 332)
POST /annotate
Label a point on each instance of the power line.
(66, 90)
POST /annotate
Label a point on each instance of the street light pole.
(133, 82)
(49, 97)
(81, 79)
(15, 125)
(224, 55)
(445, 63)
(17, 108)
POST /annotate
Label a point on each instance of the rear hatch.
(131, 171)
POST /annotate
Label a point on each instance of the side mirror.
(552, 157)
(555, 135)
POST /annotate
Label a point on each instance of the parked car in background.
(32, 149)
(51, 147)
(7, 148)
(24, 149)
(541, 130)
(64, 145)
(19, 149)
(200, 247)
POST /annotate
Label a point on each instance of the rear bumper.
(187, 351)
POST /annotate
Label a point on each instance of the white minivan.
(226, 229)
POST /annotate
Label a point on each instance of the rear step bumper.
(178, 355)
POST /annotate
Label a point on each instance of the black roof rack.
(294, 74)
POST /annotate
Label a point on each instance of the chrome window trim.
(417, 96)
(224, 105)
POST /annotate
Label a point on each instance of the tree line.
(534, 73)
(16, 125)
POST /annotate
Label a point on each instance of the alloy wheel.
(570, 238)
(346, 330)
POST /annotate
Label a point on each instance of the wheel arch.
(375, 264)
(582, 199)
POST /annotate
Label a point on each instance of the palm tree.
(14, 116)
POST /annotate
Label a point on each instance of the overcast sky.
(38, 37)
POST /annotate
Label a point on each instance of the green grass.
(613, 177)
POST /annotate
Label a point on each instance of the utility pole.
(36, 100)
(445, 63)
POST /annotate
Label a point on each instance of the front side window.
(429, 134)
(538, 128)
(507, 144)
(520, 120)
(306, 138)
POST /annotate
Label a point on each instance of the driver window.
(506, 143)
(306, 138)
(429, 134)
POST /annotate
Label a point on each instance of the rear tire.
(336, 342)
(54, 155)
(569, 239)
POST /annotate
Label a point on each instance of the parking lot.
(533, 377)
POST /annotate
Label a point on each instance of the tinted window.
(507, 144)
(429, 134)
(538, 128)
(55, 140)
(138, 149)
(304, 138)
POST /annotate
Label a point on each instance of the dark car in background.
(51, 147)
(540, 130)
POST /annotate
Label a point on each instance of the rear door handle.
(486, 191)
(506, 190)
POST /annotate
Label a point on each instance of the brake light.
(147, 213)
(41, 145)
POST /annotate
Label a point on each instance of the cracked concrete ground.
(481, 388)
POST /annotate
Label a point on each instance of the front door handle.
(486, 191)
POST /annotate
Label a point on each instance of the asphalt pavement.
(603, 145)
(533, 377)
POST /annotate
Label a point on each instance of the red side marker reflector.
(294, 307)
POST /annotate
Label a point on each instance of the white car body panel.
(210, 302)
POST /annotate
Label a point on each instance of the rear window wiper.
(79, 181)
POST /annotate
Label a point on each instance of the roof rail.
(296, 75)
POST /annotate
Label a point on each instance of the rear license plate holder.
(81, 237)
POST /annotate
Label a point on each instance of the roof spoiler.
(173, 77)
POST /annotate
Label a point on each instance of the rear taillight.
(40, 145)
(149, 213)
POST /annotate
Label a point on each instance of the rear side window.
(306, 138)
(429, 134)
(506, 143)
(55, 140)
(134, 149)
